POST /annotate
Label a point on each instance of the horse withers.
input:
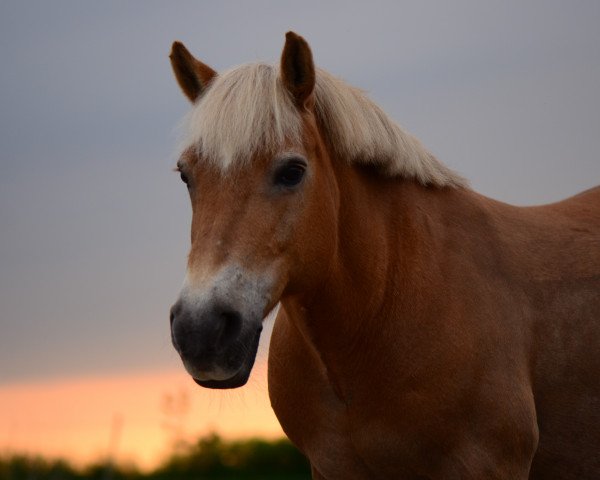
(424, 331)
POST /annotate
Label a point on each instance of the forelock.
(245, 111)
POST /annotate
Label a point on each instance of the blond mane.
(247, 110)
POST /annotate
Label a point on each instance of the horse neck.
(382, 269)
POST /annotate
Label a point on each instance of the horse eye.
(184, 178)
(290, 174)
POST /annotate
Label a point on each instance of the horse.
(424, 331)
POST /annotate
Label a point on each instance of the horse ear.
(297, 68)
(192, 75)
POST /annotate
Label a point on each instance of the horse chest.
(338, 442)
(338, 445)
(340, 439)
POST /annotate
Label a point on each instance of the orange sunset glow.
(128, 417)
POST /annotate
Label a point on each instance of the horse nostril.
(231, 325)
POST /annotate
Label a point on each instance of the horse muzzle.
(216, 343)
(216, 329)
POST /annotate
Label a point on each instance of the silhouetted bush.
(21, 467)
(209, 458)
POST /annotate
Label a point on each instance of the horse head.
(263, 199)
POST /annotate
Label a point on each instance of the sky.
(94, 226)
